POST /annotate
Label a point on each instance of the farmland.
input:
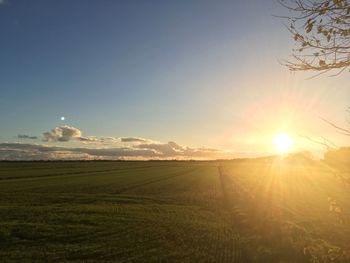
(263, 210)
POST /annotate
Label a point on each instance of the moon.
(63, 118)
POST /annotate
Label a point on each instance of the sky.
(156, 79)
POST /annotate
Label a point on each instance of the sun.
(283, 142)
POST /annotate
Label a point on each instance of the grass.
(232, 211)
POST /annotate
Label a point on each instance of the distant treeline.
(94, 161)
(338, 158)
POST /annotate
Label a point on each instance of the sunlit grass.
(261, 210)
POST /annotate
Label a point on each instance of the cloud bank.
(101, 148)
(68, 133)
(170, 150)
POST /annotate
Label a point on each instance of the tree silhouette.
(321, 31)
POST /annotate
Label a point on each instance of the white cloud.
(98, 140)
(62, 134)
(164, 149)
(24, 136)
(134, 140)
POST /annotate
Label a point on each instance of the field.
(263, 210)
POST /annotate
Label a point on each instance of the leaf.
(322, 63)
(309, 28)
(344, 33)
(338, 3)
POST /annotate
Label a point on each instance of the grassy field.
(265, 210)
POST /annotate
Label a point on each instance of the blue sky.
(194, 72)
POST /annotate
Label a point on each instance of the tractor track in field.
(226, 186)
(154, 180)
(10, 178)
(228, 191)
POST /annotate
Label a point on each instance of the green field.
(264, 210)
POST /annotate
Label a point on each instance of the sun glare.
(283, 142)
